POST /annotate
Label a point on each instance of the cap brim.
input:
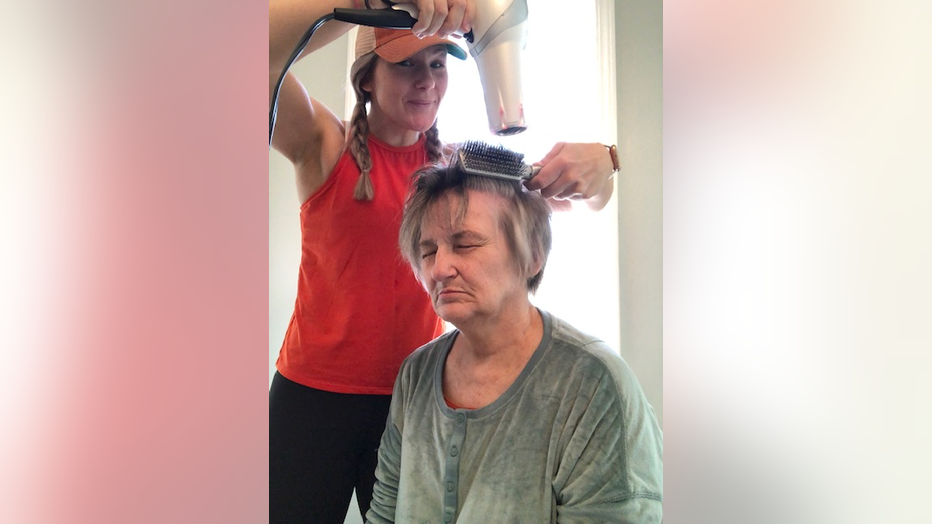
(401, 48)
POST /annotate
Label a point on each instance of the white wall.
(639, 57)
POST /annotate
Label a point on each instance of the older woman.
(515, 416)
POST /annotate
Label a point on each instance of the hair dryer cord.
(390, 18)
(273, 107)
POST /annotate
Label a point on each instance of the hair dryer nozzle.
(500, 29)
(500, 72)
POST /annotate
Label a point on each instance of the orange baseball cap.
(395, 45)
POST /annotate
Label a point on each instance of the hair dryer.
(499, 31)
(496, 42)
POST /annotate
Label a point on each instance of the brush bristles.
(479, 158)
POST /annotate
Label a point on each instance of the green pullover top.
(573, 440)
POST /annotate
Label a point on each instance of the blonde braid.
(359, 132)
(434, 147)
(359, 127)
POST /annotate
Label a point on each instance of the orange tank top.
(359, 309)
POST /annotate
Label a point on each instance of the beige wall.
(639, 57)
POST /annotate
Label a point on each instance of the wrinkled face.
(466, 265)
(407, 95)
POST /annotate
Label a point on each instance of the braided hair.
(360, 73)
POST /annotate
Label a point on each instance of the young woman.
(359, 309)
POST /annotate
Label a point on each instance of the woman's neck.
(392, 134)
(500, 339)
(482, 365)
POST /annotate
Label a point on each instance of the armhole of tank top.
(330, 181)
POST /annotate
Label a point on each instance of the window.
(569, 96)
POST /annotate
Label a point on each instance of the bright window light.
(568, 97)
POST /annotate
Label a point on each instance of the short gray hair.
(525, 223)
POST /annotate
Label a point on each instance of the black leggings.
(322, 445)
